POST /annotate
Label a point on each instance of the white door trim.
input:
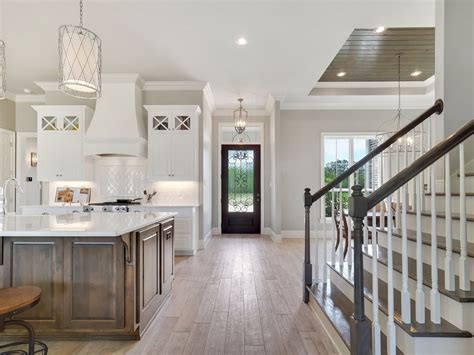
(261, 127)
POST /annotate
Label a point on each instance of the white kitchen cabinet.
(61, 130)
(173, 142)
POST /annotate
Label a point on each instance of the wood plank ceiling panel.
(370, 56)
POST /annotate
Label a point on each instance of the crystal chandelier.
(392, 126)
(3, 71)
(80, 60)
(240, 118)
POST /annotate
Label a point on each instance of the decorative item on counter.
(80, 195)
(149, 196)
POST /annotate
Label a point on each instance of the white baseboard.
(275, 237)
(203, 243)
(186, 252)
(216, 231)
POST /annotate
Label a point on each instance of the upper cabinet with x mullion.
(172, 142)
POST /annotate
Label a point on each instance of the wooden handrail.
(436, 108)
(420, 164)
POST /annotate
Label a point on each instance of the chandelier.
(80, 60)
(392, 126)
(240, 118)
(3, 71)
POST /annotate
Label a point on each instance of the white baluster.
(391, 332)
(316, 267)
(420, 293)
(448, 261)
(413, 156)
(324, 244)
(423, 174)
(382, 207)
(333, 230)
(406, 311)
(375, 277)
(464, 273)
(398, 197)
(434, 293)
(341, 227)
(366, 193)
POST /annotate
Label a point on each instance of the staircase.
(406, 286)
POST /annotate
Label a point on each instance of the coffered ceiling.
(290, 43)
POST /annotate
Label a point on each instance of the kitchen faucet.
(3, 199)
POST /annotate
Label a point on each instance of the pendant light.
(240, 118)
(80, 60)
(3, 71)
(392, 126)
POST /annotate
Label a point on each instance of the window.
(339, 153)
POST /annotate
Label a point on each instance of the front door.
(241, 189)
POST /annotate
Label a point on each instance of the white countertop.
(158, 204)
(78, 224)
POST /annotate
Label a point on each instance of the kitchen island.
(102, 275)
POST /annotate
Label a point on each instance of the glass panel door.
(241, 189)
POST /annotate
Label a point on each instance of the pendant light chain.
(81, 6)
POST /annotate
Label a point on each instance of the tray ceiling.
(370, 56)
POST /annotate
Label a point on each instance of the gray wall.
(26, 120)
(300, 151)
(266, 168)
(7, 114)
(458, 63)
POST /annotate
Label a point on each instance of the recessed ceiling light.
(416, 73)
(379, 29)
(341, 74)
(242, 41)
(27, 91)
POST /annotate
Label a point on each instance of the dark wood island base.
(92, 287)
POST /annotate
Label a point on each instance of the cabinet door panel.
(37, 263)
(160, 155)
(94, 294)
(148, 275)
(167, 237)
(183, 156)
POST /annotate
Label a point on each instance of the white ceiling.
(290, 42)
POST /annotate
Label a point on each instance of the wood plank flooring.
(241, 295)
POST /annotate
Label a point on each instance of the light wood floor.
(241, 295)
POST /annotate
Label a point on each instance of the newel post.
(307, 267)
(360, 330)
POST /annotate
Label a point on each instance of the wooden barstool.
(13, 301)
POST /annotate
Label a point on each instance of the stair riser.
(455, 204)
(397, 246)
(459, 314)
(468, 183)
(440, 226)
(406, 343)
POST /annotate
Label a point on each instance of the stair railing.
(360, 327)
(360, 205)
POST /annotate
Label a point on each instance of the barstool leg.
(31, 333)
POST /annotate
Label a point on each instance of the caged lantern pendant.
(240, 118)
(3, 72)
(80, 60)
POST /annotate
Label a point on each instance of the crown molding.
(349, 106)
(30, 98)
(174, 85)
(209, 97)
(223, 112)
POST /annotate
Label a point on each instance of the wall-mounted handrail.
(420, 164)
(436, 108)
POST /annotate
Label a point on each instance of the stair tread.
(452, 194)
(427, 240)
(469, 217)
(339, 309)
(458, 295)
(429, 329)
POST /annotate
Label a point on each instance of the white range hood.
(117, 127)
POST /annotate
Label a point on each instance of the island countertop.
(78, 224)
